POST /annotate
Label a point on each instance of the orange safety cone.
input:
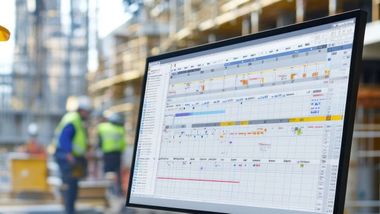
(4, 33)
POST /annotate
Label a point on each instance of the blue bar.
(339, 48)
(184, 114)
(277, 55)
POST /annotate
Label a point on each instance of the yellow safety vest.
(80, 137)
(112, 136)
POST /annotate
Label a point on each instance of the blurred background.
(60, 50)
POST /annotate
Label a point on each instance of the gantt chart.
(259, 125)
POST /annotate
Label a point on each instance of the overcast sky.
(111, 15)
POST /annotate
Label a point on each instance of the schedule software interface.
(254, 126)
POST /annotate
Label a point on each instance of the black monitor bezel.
(355, 70)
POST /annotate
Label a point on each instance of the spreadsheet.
(252, 126)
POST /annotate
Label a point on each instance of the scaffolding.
(50, 63)
(116, 85)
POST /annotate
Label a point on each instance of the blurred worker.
(95, 156)
(71, 140)
(112, 143)
(32, 147)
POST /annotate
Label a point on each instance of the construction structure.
(50, 63)
(116, 85)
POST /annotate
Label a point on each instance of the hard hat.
(117, 118)
(84, 103)
(4, 33)
(33, 129)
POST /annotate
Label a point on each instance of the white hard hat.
(33, 129)
(117, 118)
(84, 103)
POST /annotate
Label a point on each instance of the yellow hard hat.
(4, 33)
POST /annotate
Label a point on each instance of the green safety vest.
(80, 138)
(112, 136)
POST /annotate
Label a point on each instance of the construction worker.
(71, 147)
(112, 143)
(32, 147)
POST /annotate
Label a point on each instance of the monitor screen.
(251, 127)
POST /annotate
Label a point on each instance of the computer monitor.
(256, 124)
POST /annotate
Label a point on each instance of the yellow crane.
(4, 33)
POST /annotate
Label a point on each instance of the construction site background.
(60, 51)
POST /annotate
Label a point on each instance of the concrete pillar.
(173, 17)
(245, 26)
(214, 9)
(375, 10)
(300, 10)
(187, 12)
(332, 7)
(211, 37)
(255, 21)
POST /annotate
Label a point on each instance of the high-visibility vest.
(80, 138)
(112, 136)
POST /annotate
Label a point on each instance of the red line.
(194, 179)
